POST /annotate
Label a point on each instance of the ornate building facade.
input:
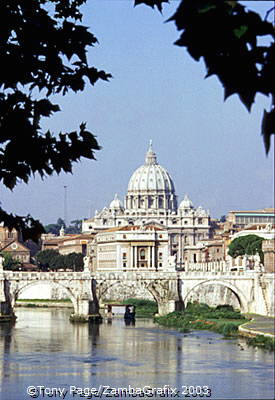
(151, 200)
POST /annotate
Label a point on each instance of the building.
(205, 251)
(10, 242)
(151, 200)
(244, 218)
(70, 243)
(131, 248)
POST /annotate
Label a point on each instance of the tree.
(43, 50)
(55, 228)
(249, 244)
(74, 261)
(53, 260)
(9, 263)
(227, 37)
(47, 258)
(75, 227)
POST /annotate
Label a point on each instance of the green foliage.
(75, 227)
(55, 228)
(9, 263)
(43, 50)
(221, 319)
(47, 258)
(227, 36)
(53, 260)
(144, 308)
(249, 244)
(74, 261)
(264, 342)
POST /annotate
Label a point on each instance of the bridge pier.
(85, 311)
(6, 306)
(168, 306)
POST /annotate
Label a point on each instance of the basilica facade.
(151, 200)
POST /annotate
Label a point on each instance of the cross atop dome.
(151, 158)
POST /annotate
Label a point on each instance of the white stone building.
(151, 200)
(131, 248)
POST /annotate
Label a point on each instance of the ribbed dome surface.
(151, 176)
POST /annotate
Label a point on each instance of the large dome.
(151, 180)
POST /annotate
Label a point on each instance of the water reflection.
(43, 348)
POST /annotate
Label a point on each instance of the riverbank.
(43, 303)
(222, 319)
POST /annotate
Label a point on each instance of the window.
(124, 256)
(142, 255)
(124, 236)
(200, 221)
(160, 256)
(124, 265)
(160, 236)
(160, 264)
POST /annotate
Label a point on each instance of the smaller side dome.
(116, 204)
(186, 203)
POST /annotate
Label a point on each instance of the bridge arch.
(128, 289)
(242, 300)
(16, 290)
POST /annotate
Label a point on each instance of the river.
(53, 358)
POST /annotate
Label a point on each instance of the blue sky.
(213, 150)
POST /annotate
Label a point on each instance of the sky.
(212, 149)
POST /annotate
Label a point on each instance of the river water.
(53, 358)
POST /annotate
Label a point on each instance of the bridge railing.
(214, 266)
(37, 275)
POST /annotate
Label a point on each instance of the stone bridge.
(253, 290)
(164, 287)
(78, 285)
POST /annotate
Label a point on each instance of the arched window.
(142, 254)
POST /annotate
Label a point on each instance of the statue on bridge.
(1, 262)
(86, 261)
(172, 261)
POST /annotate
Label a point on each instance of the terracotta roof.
(147, 228)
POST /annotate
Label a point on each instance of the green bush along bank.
(222, 319)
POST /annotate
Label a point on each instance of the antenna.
(65, 205)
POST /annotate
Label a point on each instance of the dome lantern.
(151, 158)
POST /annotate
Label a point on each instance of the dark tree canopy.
(9, 263)
(43, 49)
(53, 260)
(227, 37)
(74, 227)
(249, 244)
